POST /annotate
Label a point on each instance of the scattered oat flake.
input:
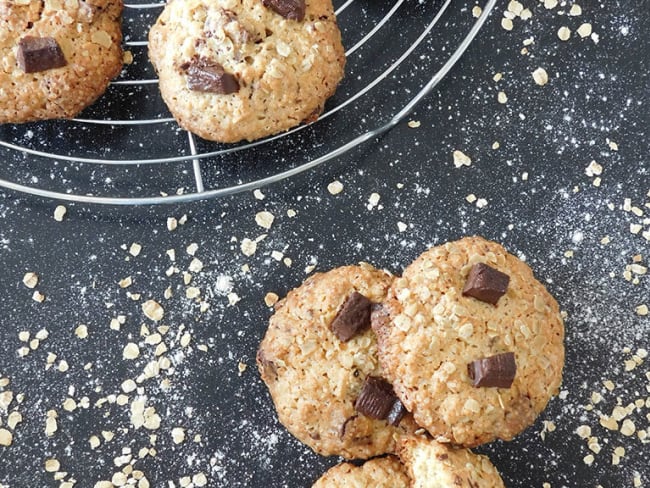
(153, 310)
(192, 248)
(271, 299)
(6, 437)
(335, 187)
(613, 146)
(564, 33)
(550, 4)
(59, 213)
(584, 30)
(477, 11)
(172, 224)
(52, 465)
(241, 367)
(81, 331)
(134, 249)
(125, 282)
(401, 226)
(30, 280)
(233, 298)
(258, 194)
(642, 310)
(575, 10)
(461, 159)
(481, 203)
(264, 219)
(413, 124)
(593, 169)
(502, 97)
(178, 435)
(540, 76)
(507, 24)
(37, 296)
(248, 247)
(373, 200)
(131, 351)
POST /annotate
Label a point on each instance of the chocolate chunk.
(494, 371)
(378, 401)
(353, 317)
(486, 283)
(37, 54)
(289, 9)
(208, 76)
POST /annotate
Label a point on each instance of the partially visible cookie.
(452, 326)
(244, 69)
(315, 371)
(58, 56)
(385, 472)
(430, 464)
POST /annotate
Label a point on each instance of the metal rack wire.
(127, 150)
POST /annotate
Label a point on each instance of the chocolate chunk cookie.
(232, 70)
(386, 472)
(57, 56)
(430, 464)
(474, 353)
(317, 377)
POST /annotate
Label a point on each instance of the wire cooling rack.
(127, 150)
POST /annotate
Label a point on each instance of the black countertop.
(577, 230)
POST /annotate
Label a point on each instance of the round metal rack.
(127, 150)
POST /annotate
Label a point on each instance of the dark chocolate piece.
(494, 371)
(486, 283)
(37, 54)
(352, 318)
(289, 9)
(377, 399)
(208, 76)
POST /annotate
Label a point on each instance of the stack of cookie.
(465, 348)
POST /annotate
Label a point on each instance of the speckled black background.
(597, 91)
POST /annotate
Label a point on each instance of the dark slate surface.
(598, 91)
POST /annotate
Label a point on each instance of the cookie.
(316, 378)
(472, 359)
(58, 56)
(232, 70)
(430, 464)
(385, 472)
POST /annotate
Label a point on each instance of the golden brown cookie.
(314, 377)
(232, 70)
(57, 56)
(439, 342)
(430, 464)
(385, 472)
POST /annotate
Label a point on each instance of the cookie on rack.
(231, 70)
(319, 361)
(430, 464)
(58, 56)
(473, 343)
(384, 472)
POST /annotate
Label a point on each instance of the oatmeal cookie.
(232, 70)
(58, 56)
(473, 343)
(385, 472)
(316, 370)
(430, 464)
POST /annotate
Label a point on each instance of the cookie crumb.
(30, 280)
(264, 219)
(271, 299)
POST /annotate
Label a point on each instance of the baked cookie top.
(430, 464)
(232, 70)
(57, 56)
(439, 342)
(314, 377)
(385, 472)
